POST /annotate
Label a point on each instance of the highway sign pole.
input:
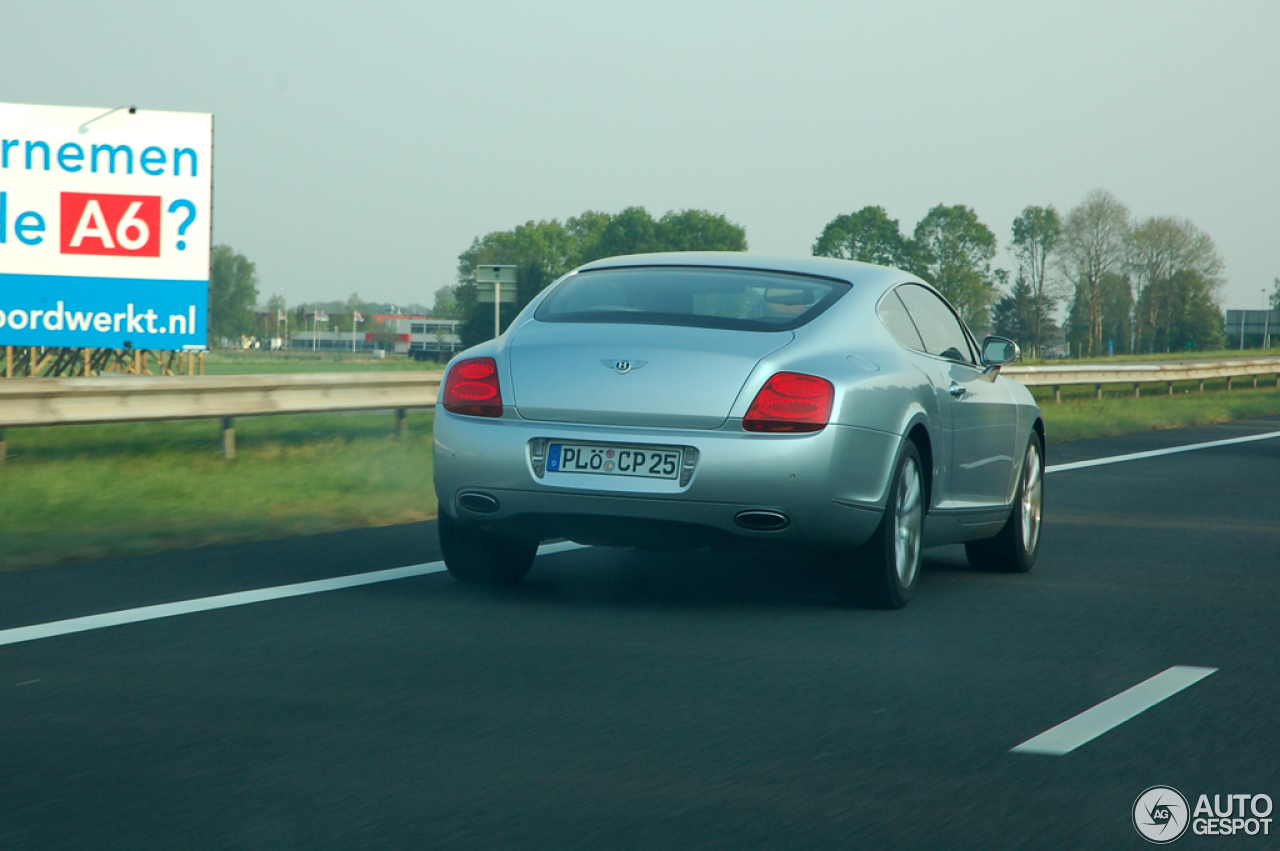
(489, 281)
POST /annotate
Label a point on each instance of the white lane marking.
(1091, 723)
(1173, 450)
(52, 629)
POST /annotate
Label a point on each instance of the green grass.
(77, 492)
(1080, 415)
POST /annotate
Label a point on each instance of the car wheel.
(1014, 548)
(884, 571)
(483, 558)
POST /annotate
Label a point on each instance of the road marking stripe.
(1091, 723)
(36, 632)
(1134, 456)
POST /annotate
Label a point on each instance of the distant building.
(420, 337)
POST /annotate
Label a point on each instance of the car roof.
(862, 274)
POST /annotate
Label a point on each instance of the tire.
(884, 571)
(477, 557)
(1016, 545)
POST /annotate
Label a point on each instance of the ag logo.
(1160, 814)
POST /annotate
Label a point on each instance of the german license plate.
(649, 462)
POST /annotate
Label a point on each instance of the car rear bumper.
(829, 486)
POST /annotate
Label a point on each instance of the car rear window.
(701, 297)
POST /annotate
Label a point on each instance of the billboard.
(104, 227)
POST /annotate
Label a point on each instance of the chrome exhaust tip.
(762, 520)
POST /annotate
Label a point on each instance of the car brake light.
(472, 388)
(791, 401)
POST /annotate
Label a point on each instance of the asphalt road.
(624, 700)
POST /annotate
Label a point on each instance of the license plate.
(649, 462)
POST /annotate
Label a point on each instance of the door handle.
(956, 390)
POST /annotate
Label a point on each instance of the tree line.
(1128, 285)
(1142, 286)
(1147, 285)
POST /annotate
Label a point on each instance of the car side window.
(894, 316)
(941, 331)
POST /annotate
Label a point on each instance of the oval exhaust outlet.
(480, 503)
(761, 520)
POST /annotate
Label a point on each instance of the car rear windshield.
(737, 299)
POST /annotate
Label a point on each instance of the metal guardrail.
(1137, 374)
(68, 401)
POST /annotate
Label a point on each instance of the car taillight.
(791, 401)
(472, 388)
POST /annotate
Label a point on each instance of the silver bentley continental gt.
(667, 401)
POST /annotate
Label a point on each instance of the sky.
(360, 147)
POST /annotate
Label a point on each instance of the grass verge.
(78, 492)
(1081, 417)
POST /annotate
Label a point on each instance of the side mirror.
(998, 351)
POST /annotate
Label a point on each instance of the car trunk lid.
(636, 375)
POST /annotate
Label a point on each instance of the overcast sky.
(362, 146)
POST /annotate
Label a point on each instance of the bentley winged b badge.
(622, 367)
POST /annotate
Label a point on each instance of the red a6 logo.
(127, 225)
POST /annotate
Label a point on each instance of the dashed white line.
(52, 629)
(1153, 453)
(1091, 723)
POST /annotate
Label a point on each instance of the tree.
(1036, 232)
(1116, 296)
(275, 306)
(1014, 315)
(584, 233)
(1158, 249)
(545, 246)
(1094, 241)
(446, 306)
(233, 293)
(1275, 296)
(633, 231)
(1188, 314)
(868, 235)
(954, 252)
(699, 230)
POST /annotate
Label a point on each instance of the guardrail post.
(1170, 388)
(228, 438)
(1135, 390)
(1097, 389)
(1057, 392)
(402, 421)
(1229, 379)
(1202, 385)
(1255, 382)
(4, 447)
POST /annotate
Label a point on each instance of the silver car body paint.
(693, 392)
